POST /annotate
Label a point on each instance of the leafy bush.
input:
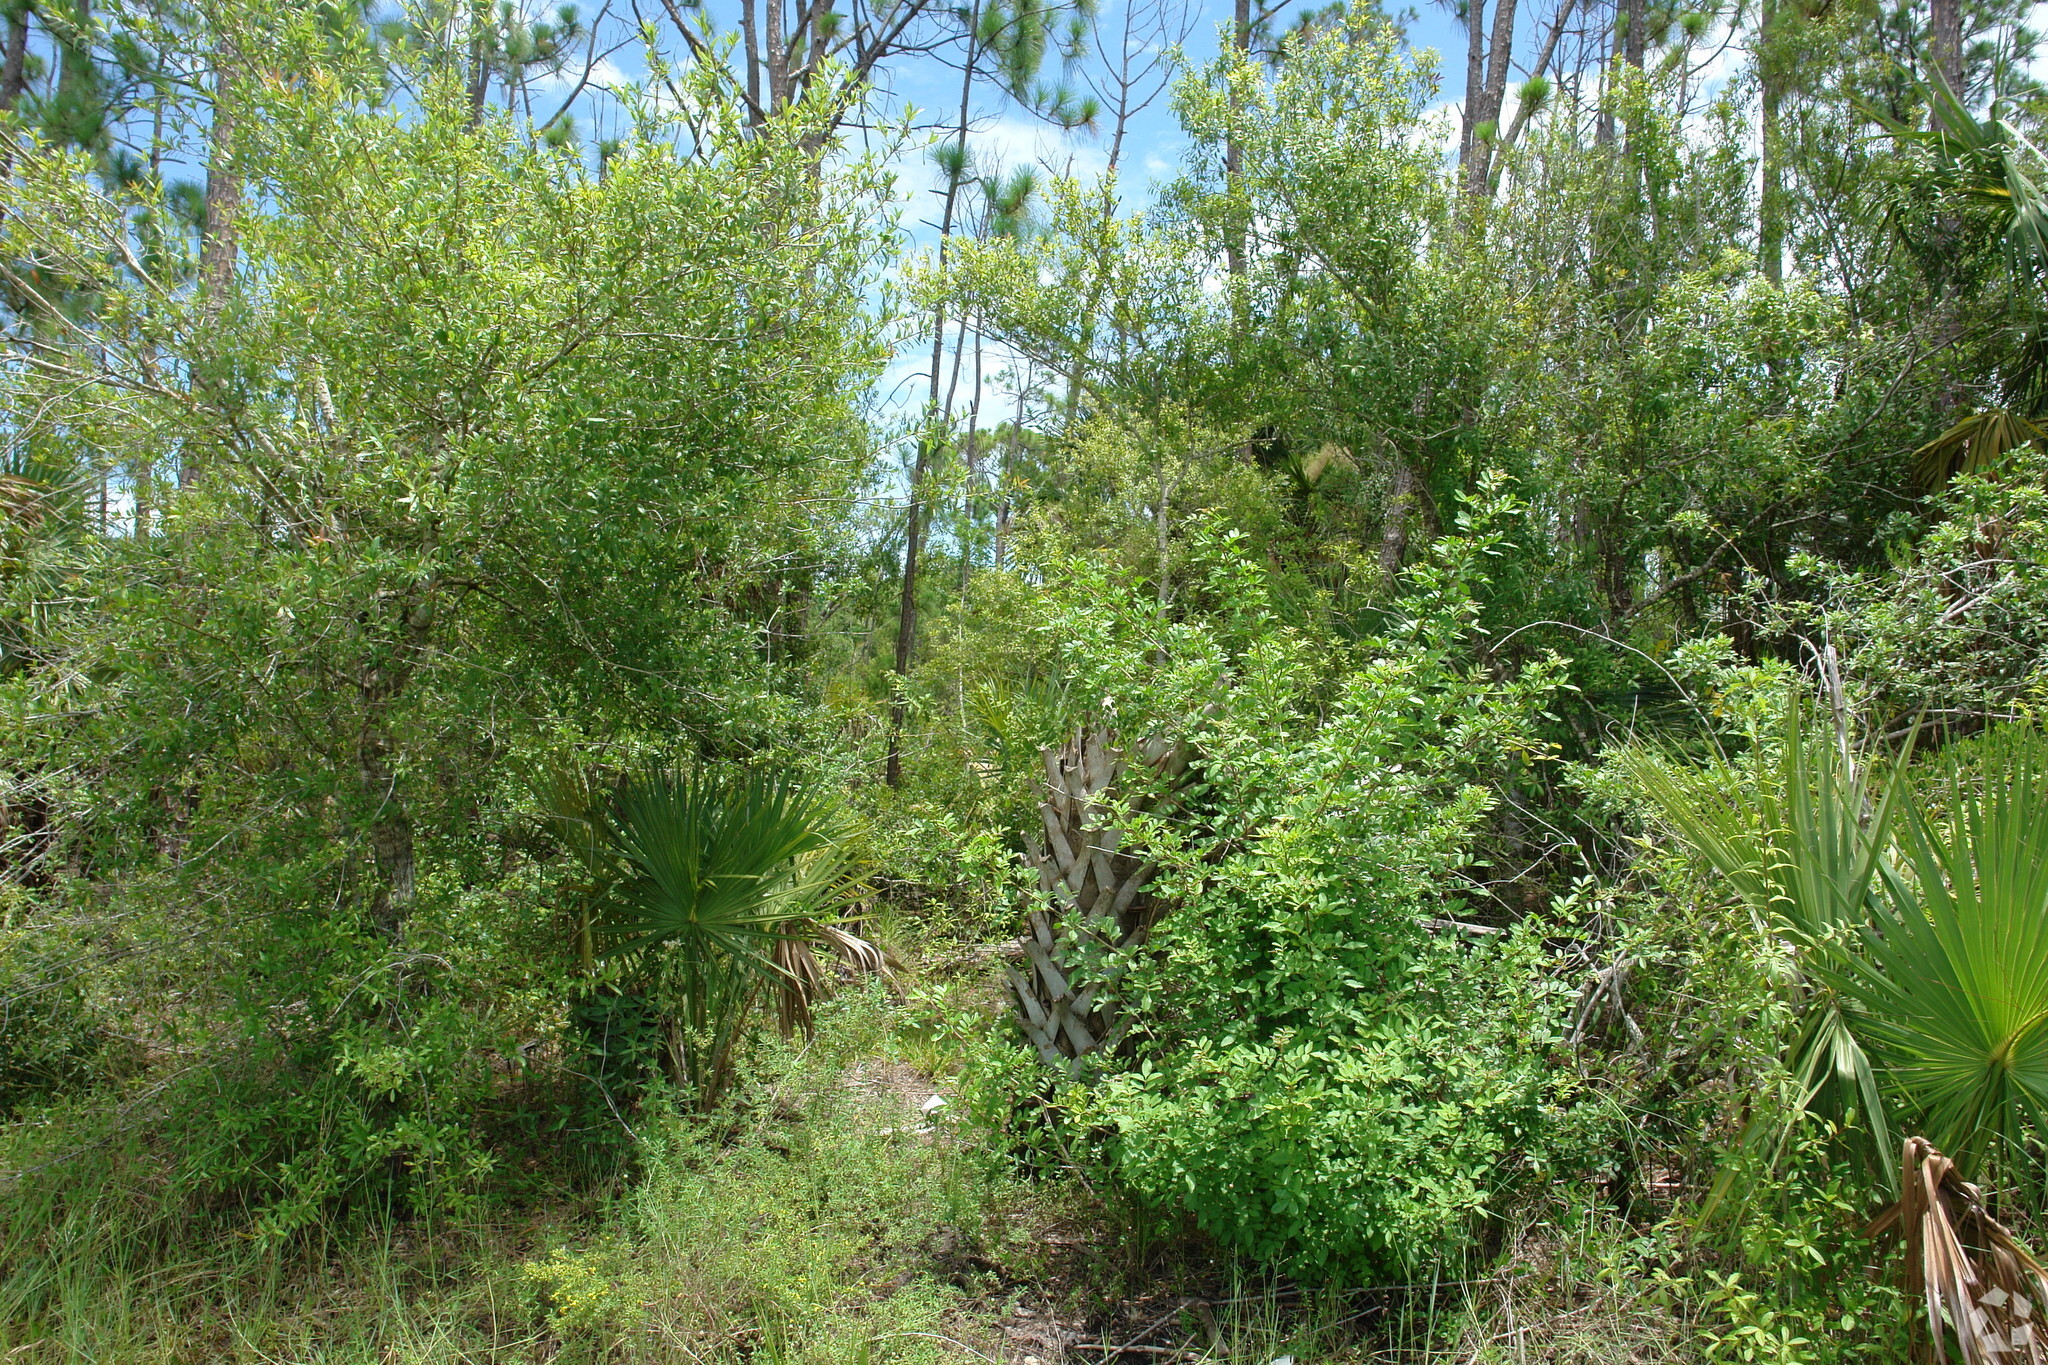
(1956, 627)
(435, 510)
(1329, 1069)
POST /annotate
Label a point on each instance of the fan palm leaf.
(718, 885)
(716, 863)
(1951, 978)
(1802, 845)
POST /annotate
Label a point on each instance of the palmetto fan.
(1801, 843)
(715, 861)
(1950, 979)
(1923, 940)
(718, 888)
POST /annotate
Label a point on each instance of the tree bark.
(750, 44)
(778, 58)
(14, 69)
(1522, 111)
(1603, 122)
(1233, 152)
(1012, 444)
(1771, 189)
(223, 200)
(927, 445)
(1945, 42)
(1475, 77)
(1492, 98)
(221, 205)
(1401, 506)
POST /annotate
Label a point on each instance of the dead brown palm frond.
(1971, 446)
(805, 980)
(802, 983)
(859, 956)
(1972, 1273)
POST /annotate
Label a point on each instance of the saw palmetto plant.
(708, 890)
(1920, 930)
(718, 877)
(1801, 842)
(1949, 981)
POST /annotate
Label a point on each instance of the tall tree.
(14, 60)
(1945, 43)
(1485, 100)
(1014, 38)
(223, 201)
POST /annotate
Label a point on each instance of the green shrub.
(1326, 1071)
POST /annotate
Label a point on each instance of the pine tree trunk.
(927, 445)
(1475, 79)
(1945, 42)
(1492, 99)
(223, 202)
(1771, 187)
(1402, 497)
(14, 68)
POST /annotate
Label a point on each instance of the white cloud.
(605, 74)
(1010, 141)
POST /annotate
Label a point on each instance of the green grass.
(824, 1219)
(812, 1222)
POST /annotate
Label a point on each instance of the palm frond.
(1802, 845)
(1951, 978)
(723, 880)
(1973, 1274)
(714, 861)
(1972, 446)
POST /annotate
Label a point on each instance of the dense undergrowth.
(834, 1213)
(1458, 779)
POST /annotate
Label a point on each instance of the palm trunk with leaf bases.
(1097, 907)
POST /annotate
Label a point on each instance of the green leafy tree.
(488, 450)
